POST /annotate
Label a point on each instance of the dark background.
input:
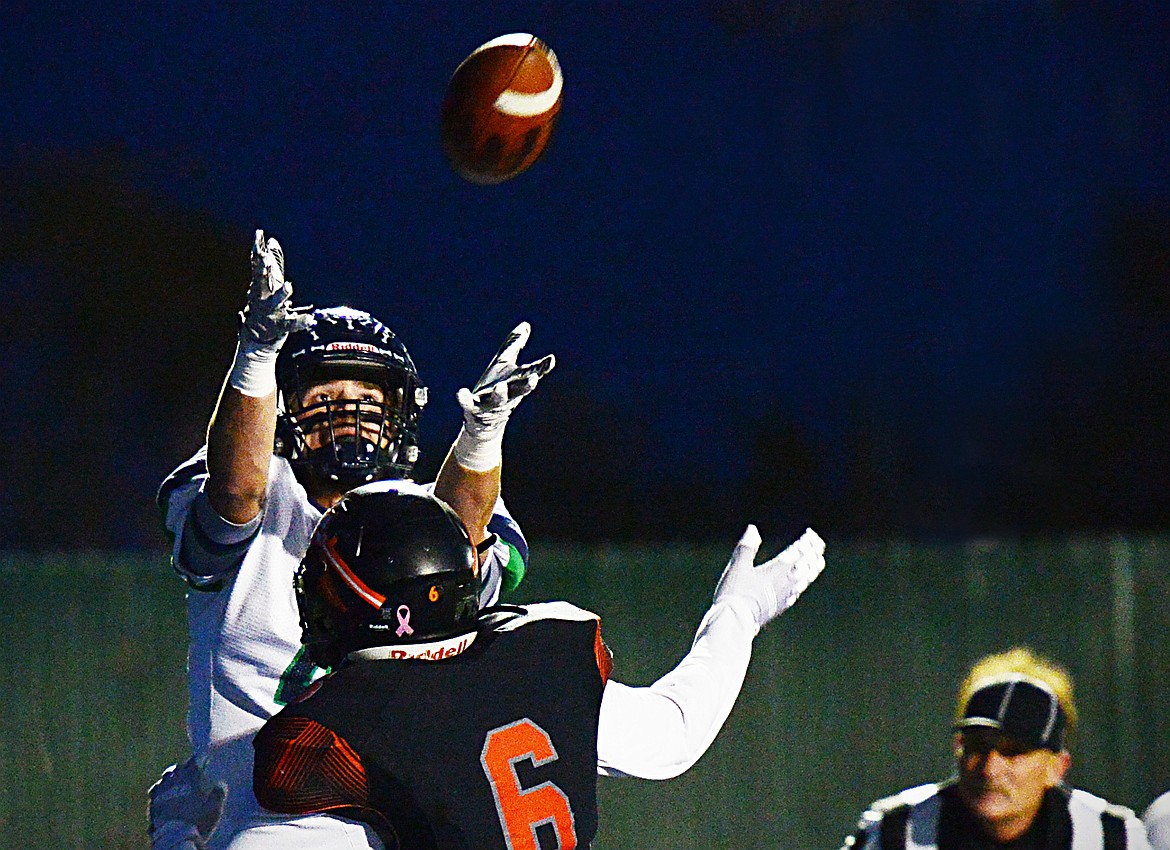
(885, 268)
(896, 270)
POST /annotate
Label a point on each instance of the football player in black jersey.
(444, 727)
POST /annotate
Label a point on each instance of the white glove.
(487, 406)
(182, 811)
(772, 587)
(270, 316)
(266, 321)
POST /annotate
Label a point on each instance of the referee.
(1014, 717)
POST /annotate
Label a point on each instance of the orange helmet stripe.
(356, 584)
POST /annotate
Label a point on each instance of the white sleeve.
(212, 547)
(176, 499)
(206, 548)
(658, 732)
(1137, 838)
(1157, 822)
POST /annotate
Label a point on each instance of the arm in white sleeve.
(488, 405)
(658, 732)
(213, 547)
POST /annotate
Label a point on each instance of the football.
(500, 108)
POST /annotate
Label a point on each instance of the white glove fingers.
(274, 270)
(267, 267)
(751, 539)
(489, 403)
(542, 366)
(277, 254)
(808, 567)
(812, 539)
(516, 340)
(807, 549)
(524, 380)
(516, 385)
(772, 587)
(807, 544)
(505, 359)
(269, 315)
(742, 558)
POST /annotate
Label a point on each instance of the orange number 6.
(521, 810)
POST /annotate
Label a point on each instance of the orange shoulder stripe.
(303, 767)
(603, 654)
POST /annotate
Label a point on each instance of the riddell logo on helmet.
(352, 346)
(430, 653)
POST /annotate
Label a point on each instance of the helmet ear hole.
(288, 438)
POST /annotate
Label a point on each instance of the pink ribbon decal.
(403, 621)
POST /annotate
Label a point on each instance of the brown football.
(500, 108)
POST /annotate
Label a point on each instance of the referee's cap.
(1020, 706)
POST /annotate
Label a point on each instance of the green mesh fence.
(848, 697)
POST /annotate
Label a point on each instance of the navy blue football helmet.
(386, 567)
(356, 442)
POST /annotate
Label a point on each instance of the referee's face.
(1002, 781)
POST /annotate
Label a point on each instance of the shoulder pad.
(903, 799)
(510, 617)
(526, 614)
(1097, 805)
(191, 470)
(908, 797)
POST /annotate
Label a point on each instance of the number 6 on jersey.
(522, 810)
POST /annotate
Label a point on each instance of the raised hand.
(502, 386)
(269, 316)
(773, 586)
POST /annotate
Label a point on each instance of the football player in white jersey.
(337, 395)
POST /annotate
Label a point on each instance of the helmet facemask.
(339, 444)
(321, 607)
(345, 442)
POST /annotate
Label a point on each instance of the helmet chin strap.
(347, 463)
(324, 487)
(350, 450)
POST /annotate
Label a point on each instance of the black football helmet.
(359, 442)
(385, 568)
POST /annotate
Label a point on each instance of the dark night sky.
(747, 206)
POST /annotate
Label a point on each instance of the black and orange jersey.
(495, 747)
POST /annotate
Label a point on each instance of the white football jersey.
(246, 659)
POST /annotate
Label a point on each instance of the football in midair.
(500, 108)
